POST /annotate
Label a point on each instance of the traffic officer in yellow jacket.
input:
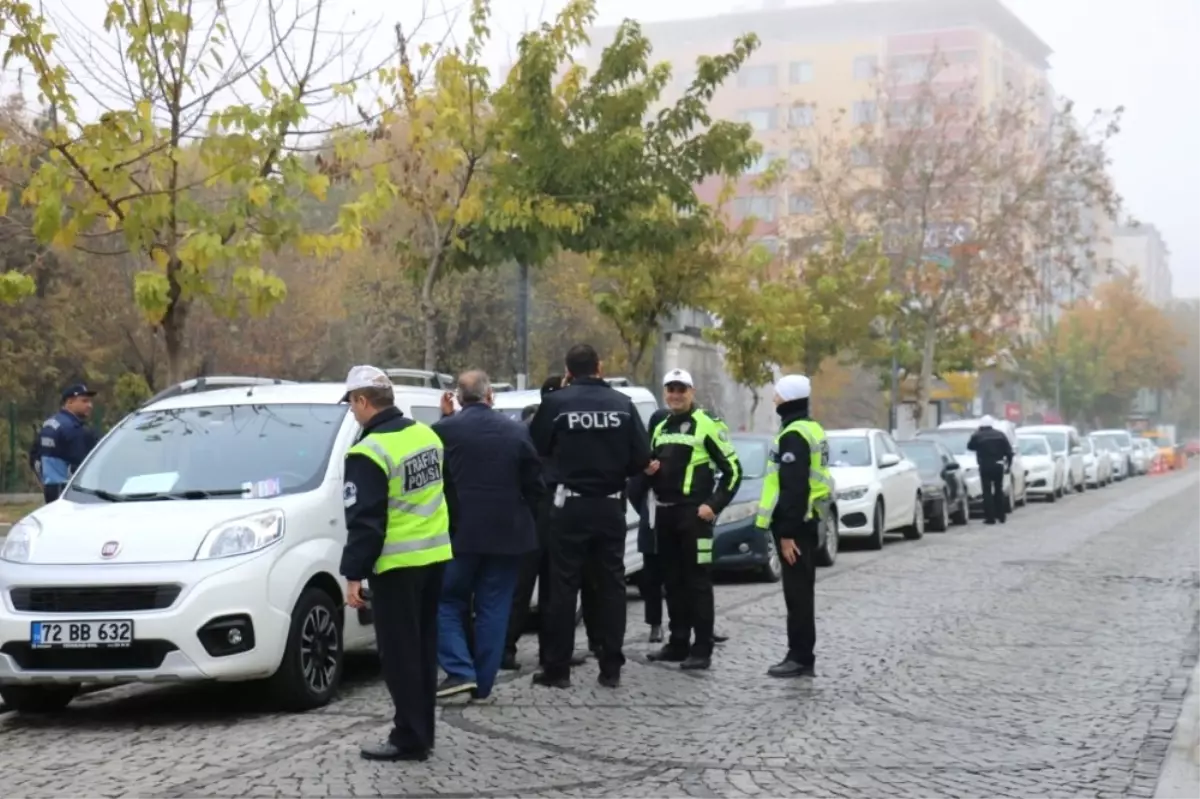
(398, 540)
(795, 495)
(694, 474)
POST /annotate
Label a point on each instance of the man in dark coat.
(496, 488)
(994, 453)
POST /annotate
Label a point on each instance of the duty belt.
(566, 492)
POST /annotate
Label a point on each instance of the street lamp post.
(522, 326)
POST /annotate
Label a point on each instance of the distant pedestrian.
(994, 454)
(497, 486)
(64, 441)
(597, 441)
(398, 539)
(795, 498)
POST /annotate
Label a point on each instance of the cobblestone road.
(1046, 657)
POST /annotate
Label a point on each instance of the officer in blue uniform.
(64, 441)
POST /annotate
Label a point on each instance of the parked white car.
(1107, 446)
(200, 540)
(1142, 455)
(878, 489)
(1066, 443)
(1097, 465)
(1046, 470)
(1014, 486)
(1123, 457)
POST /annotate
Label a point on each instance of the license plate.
(81, 634)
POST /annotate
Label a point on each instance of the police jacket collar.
(66, 416)
(792, 411)
(588, 381)
(381, 420)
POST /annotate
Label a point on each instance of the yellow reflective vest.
(820, 481)
(418, 522)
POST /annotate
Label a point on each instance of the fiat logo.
(109, 549)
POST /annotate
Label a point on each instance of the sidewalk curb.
(1180, 776)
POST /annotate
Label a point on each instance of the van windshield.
(216, 451)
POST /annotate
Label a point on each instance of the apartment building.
(1141, 249)
(817, 59)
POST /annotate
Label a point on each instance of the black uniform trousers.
(52, 492)
(405, 607)
(586, 530)
(535, 571)
(683, 538)
(652, 588)
(799, 594)
(992, 479)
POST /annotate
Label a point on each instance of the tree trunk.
(925, 381)
(754, 401)
(429, 313)
(174, 326)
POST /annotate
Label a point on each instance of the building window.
(962, 57)
(912, 68)
(801, 116)
(800, 159)
(757, 77)
(864, 112)
(861, 155)
(759, 118)
(761, 164)
(801, 204)
(865, 67)
(801, 71)
(761, 207)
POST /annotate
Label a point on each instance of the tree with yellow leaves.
(196, 187)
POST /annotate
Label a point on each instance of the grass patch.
(11, 513)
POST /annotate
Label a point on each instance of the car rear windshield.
(953, 440)
(752, 456)
(849, 451)
(216, 451)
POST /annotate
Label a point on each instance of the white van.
(1014, 487)
(200, 540)
(513, 402)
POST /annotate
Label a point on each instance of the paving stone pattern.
(1048, 657)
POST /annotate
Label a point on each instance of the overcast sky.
(1106, 53)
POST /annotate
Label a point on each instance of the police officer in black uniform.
(597, 442)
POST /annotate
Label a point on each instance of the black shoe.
(656, 635)
(790, 668)
(1004, 521)
(696, 663)
(550, 681)
(719, 639)
(989, 521)
(609, 680)
(670, 653)
(386, 750)
(510, 663)
(452, 686)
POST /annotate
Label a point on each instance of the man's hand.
(653, 467)
(789, 550)
(447, 403)
(354, 596)
(706, 513)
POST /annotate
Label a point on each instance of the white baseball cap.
(793, 387)
(365, 377)
(678, 376)
(987, 421)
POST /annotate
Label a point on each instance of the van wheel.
(38, 698)
(312, 664)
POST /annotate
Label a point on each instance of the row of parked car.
(201, 538)
(931, 481)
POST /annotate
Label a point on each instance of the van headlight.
(242, 535)
(18, 544)
(737, 513)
